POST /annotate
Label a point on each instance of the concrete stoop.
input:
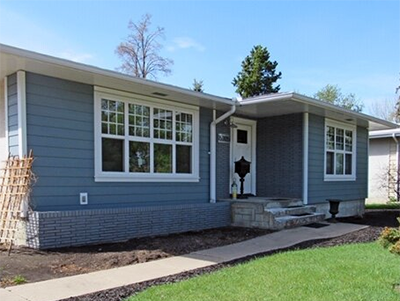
(274, 214)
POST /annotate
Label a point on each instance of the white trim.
(6, 112)
(308, 101)
(213, 150)
(127, 176)
(345, 126)
(141, 98)
(305, 158)
(21, 99)
(253, 169)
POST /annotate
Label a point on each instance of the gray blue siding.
(12, 107)
(61, 133)
(280, 156)
(223, 161)
(320, 190)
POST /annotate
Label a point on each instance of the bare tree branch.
(140, 52)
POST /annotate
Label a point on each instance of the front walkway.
(61, 288)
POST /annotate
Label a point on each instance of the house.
(383, 165)
(118, 157)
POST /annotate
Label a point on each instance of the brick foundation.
(56, 229)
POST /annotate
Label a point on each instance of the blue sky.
(354, 44)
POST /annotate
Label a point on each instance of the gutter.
(397, 167)
(213, 151)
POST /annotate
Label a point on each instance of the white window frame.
(344, 126)
(126, 176)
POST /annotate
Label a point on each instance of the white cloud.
(185, 43)
(76, 57)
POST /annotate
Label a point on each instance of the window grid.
(183, 125)
(162, 124)
(112, 117)
(139, 120)
(152, 137)
(339, 151)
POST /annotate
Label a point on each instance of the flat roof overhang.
(290, 103)
(384, 133)
(14, 59)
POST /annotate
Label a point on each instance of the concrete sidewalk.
(61, 288)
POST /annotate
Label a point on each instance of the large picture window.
(140, 139)
(340, 151)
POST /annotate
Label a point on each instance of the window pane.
(139, 156)
(339, 164)
(162, 158)
(139, 124)
(183, 159)
(349, 164)
(241, 136)
(162, 124)
(113, 153)
(183, 127)
(339, 139)
(330, 137)
(112, 116)
(349, 141)
(329, 163)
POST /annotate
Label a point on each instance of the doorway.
(243, 144)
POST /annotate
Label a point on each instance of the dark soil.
(35, 265)
(71, 261)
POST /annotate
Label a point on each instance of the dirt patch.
(71, 261)
(35, 265)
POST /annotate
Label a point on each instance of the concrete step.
(275, 202)
(291, 221)
(276, 212)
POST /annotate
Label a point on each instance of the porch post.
(305, 158)
(213, 150)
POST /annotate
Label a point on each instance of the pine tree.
(258, 74)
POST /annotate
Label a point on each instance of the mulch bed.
(375, 219)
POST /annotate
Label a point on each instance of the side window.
(340, 151)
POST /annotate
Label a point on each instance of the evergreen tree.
(198, 86)
(258, 74)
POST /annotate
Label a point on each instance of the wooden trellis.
(14, 190)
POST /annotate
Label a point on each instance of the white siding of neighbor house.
(3, 144)
(382, 155)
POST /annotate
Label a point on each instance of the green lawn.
(383, 206)
(350, 272)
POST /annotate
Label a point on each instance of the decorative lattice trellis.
(15, 184)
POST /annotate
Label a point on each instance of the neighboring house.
(118, 157)
(383, 165)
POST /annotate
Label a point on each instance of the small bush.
(390, 239)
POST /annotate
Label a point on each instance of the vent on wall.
(159, 94)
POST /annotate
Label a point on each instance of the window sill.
(339, 178)
(145, 178)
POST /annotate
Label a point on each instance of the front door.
(243, 145)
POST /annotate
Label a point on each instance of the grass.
(350, 272)
(19, 279)
(383, 206)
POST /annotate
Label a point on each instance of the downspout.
(213, 151)
(397, 167)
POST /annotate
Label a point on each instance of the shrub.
(390, 239)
